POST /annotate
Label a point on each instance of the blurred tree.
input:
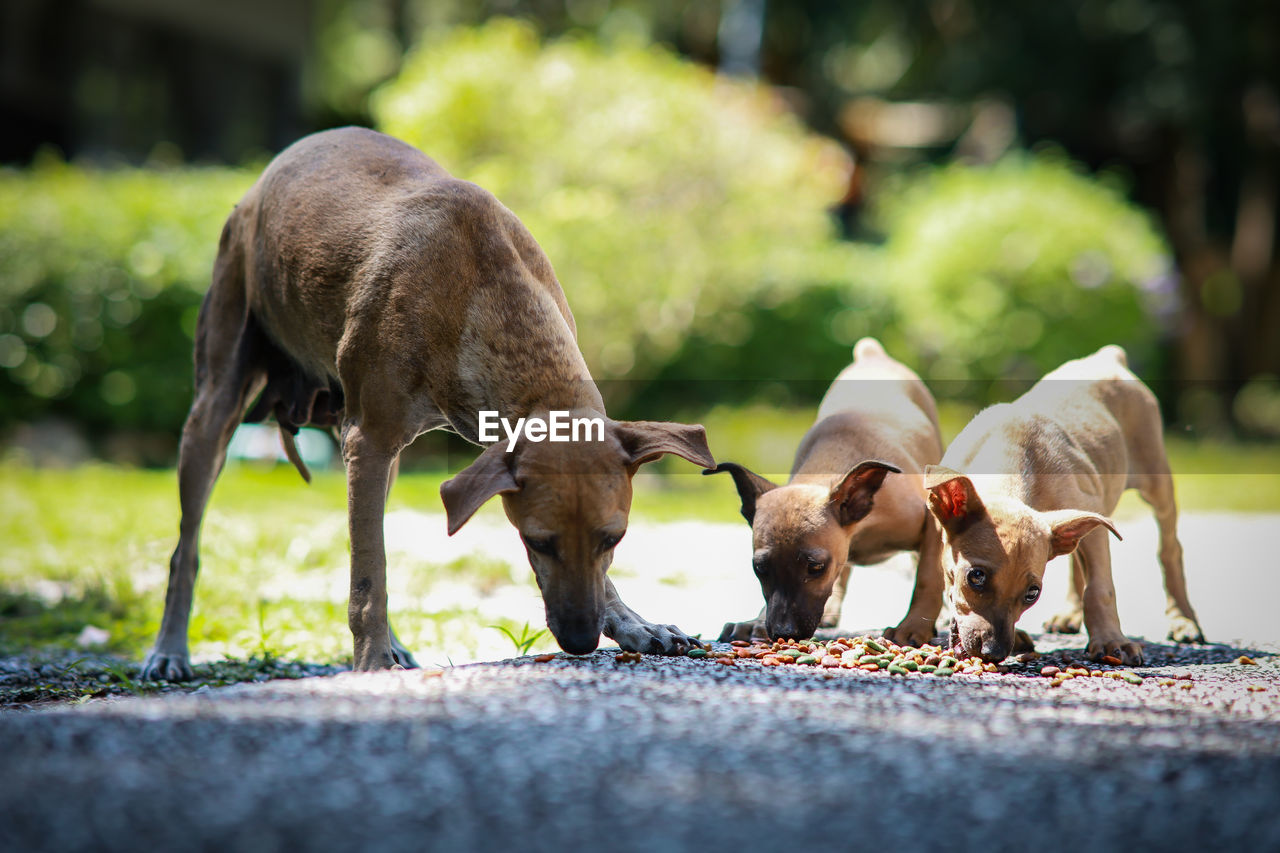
(1181, 97)
(653, 186)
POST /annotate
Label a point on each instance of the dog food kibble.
(1246, 660)
(628, 657)
(877, 655)
(544, 658)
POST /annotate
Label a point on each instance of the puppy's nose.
(994, 651)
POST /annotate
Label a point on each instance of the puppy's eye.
(977, 578)
(1032, 594)
(541, 544)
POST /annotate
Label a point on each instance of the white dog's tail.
(868, 348)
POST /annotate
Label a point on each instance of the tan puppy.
(358, 285)
(1043, 472)
(854, 497)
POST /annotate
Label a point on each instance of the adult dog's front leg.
(634, 634)
(368, 475)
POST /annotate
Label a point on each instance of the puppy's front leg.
(1101, 618)
(918, 626)
(368, 475)
(748, 630)
(634, 634)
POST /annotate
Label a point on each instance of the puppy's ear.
(952, 498)
(853, 497)
(489, 475)
(750, 486)
(1069, 526)
(645, 441)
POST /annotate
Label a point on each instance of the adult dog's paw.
(651, 639)
(167, 667)
(1129, 652)
(1184, 630)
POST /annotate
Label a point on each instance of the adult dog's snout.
(577, 635)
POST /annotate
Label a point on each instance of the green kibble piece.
(910, 665)
(944, 671)
(874, 646)
(894, 669)
(1132, 677)
(696, 653)
(807, 659)
(928, 667)
(791, 653)
(949, 663)
(868, 659)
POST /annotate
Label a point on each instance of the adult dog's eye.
(760, 565)
(976, 578)
(610, 541)
(816, 567)
(1032, 594)
(541, 544)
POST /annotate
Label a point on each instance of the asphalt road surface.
(665, 754)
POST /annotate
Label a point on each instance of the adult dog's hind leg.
(226, 381)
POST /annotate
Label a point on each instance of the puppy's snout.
(994, 650)
(790, 626)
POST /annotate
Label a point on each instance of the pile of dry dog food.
(877, 654)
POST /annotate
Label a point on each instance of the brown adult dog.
(1044, 472)
(358, 285)
(854, 497)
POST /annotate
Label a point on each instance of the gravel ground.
(665, 754)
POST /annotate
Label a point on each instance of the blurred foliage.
(667, 199)
(1008, 270)
(686, 215)
(101, 275)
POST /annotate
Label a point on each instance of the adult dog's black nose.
(579, 637)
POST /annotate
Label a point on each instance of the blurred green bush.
(667, 198)
(1003, 272)
(101, 276)
(686, 216)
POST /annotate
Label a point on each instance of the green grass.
(91, 545)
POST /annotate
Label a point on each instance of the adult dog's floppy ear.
(952, 498)
(489, 475)
(853, 497)
(645, 441)
(750, 486)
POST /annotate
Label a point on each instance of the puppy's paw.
(1066, 622)
(167, 667)
(910, 632)
(1184, 630)
(1129, 652)
(651, 639)
(1022, 642)
(740, 631)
